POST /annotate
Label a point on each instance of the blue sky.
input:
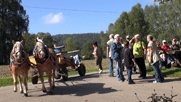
(76, 16)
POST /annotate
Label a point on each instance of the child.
(129, 61)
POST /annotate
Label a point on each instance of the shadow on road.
(77, 89)
(82, 89)
(80, 78)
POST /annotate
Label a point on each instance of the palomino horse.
(46, 62)
(19, 65)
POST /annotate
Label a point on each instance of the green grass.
(167, 72)
(9, 81)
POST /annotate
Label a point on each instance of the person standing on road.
(98, 57)
(154, 59)
(129, 61)
(116, 55)
(128, 38)
(109, 43)
(139, 52)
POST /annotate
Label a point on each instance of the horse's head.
(17, 50)
(40, 50)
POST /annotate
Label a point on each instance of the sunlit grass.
(167, 72)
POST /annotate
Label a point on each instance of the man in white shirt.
(154, 59)
(109, 43)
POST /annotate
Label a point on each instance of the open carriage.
(64, 61)
(74, 62)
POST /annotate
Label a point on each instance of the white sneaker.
(100, 72)
(172, 62)
(156, 82)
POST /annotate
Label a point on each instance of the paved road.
(95, 88)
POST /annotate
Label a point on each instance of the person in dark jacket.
(129, 61)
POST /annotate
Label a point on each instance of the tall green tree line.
(13, 21)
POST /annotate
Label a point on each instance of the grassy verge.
(9, 81)
(171, 72)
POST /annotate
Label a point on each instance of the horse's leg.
(25, 77)
(53, 78)
(20, 84)
(42, 81)
(15, 81)
(49, 80)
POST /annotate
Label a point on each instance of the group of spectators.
(128, 54)
(166, 57)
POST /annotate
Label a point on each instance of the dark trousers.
(99, 62)
(141, 64)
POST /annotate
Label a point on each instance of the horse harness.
(14, 63)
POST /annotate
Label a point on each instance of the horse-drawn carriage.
(74, 62)
(45, 60)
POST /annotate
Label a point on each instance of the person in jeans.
(116, 55)
(129, 61)
(128, 38)
(98, 57)
(109, 43)
(169, 57)
(139, 52)
(154, 59)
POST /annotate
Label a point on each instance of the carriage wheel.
(82, 70)
(65, 77)
(57, 73)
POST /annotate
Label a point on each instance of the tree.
(87, 50)
(13, 21)
(110, 28)
(122, 25)
(48, 39)
(104, 39)
(29, 42)
(137, 21)
(165, 1)
(71, 45)
(151, 19)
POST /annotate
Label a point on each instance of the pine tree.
(13, 21)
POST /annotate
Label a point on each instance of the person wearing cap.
(139, 52)
(164, 47)
(116, 55)
(128, 38)
(154, 59)
(109, 43)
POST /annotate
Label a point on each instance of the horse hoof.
(25, 94)
(15, 90)
(21, 91)
(44, 91)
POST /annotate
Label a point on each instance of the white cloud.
(53, 18)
